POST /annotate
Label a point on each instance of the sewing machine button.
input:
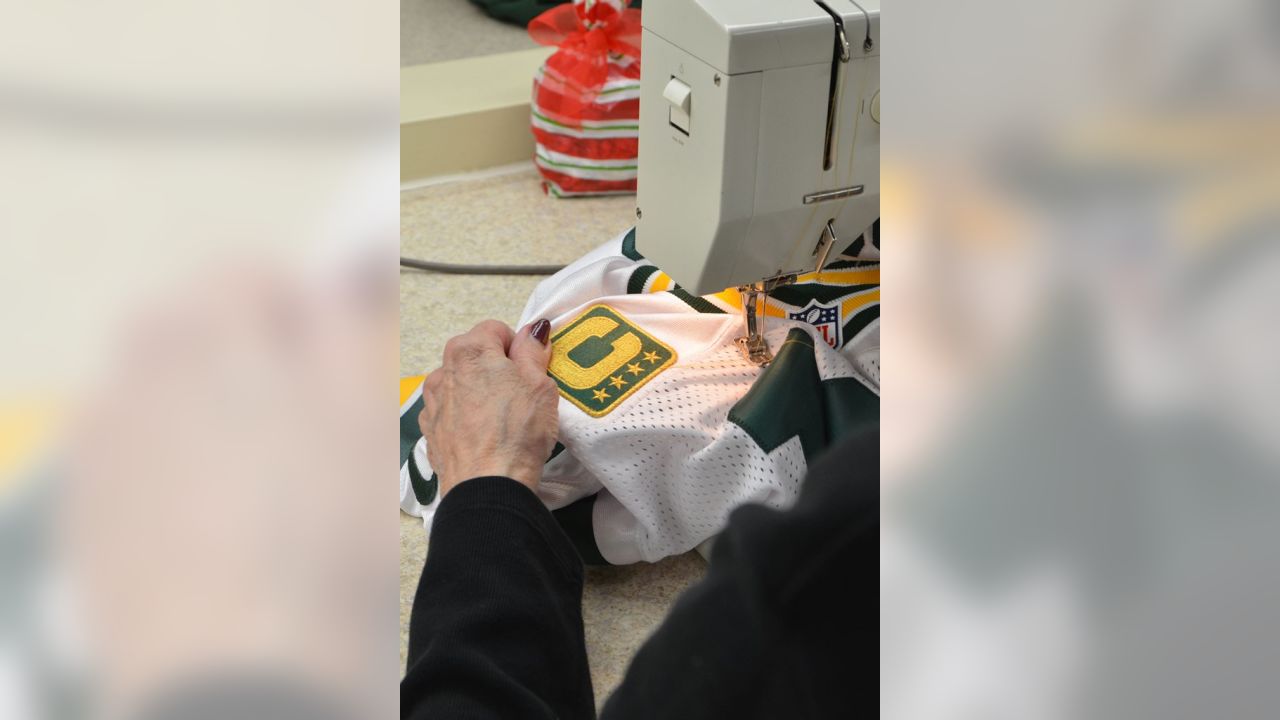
(681, 98)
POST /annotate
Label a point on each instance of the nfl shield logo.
(824, 317)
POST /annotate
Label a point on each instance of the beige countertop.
(507, 219)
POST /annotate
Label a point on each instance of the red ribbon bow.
(580, 68)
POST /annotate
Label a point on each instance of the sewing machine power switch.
(679, 96)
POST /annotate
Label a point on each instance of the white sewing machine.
(759, 141)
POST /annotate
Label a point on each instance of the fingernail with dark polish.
(541, 330)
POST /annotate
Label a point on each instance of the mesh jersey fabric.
(654, 455)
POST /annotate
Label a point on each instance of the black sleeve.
(785, 622)
(496, 628)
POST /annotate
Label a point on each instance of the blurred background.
(197, 290)
(1080, 391)
(1080, 434)
(438, 30)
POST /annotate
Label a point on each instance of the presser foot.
(754, 297)
(753, 345)
(755, 350)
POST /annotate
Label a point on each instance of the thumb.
(531, 348)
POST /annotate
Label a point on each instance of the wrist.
(524, 475)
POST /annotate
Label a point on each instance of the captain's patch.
(600, 358)
(824, 317)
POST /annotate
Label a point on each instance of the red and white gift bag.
(586, 98)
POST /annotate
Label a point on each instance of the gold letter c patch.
(600, 358)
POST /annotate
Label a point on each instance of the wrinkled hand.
(491, 409)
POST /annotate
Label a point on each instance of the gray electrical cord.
(456, 269)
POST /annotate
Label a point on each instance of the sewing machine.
(759, 141)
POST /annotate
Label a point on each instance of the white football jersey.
(664, 427)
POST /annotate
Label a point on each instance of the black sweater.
(771, 631)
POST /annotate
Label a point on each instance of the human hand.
(491, 409)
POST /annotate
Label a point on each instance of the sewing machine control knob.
(875, 107)
(679, 96)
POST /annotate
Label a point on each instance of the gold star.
(617, 381)
(651, 356)
(600, 394)
(634, 368)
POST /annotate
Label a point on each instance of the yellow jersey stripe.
(859, 301)
(734, 299)
(408, 386)
(843, 277)
(661, 282)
